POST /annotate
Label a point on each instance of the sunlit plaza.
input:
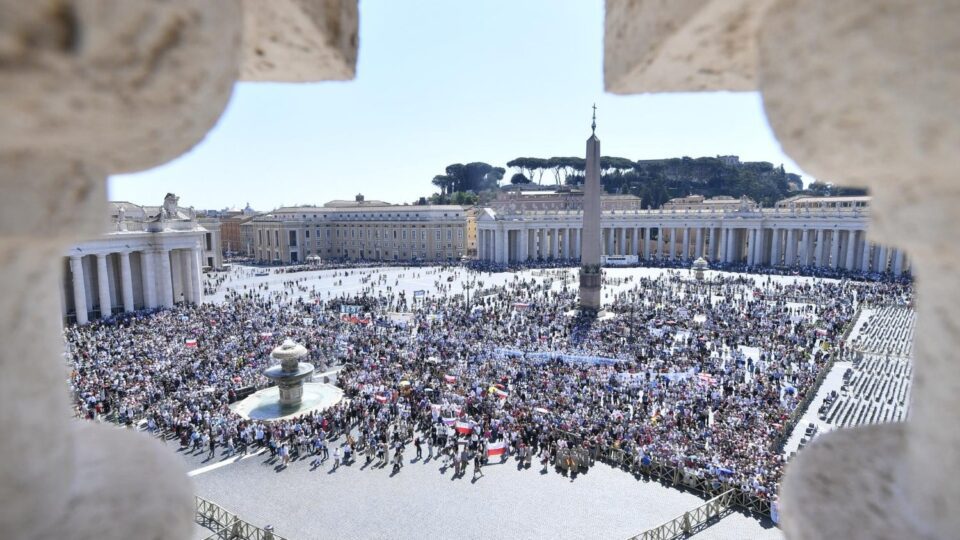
(309, 269)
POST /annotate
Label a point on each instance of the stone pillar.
(103, 286)
(835, 248)
(752, 248)
(818, 249)
(805, 247)
(148, 279)
(646, 243)
(79, 289)
(542, 248)
(126, 280)
(165, 278)
(555, 242)
(523, 253)
(881, 264)
(731, 239)
(186, 276)
(791, 248)
(195, 275)
(635, 241)
(686, 243)
(850, 262)
(699, 248)
(775, 247)
(660, 243)
(866, 257)
(501, 243)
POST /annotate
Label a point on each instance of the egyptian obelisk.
(590, 276)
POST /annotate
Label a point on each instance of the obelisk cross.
(593, 126)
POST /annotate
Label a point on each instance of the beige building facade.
(806, 231)
(359, 230)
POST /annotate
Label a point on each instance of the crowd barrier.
(227, 526)
(690, 522)
(679, 476)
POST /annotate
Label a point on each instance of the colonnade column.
(834, 248)
(660, 243)
(635, 241)
(646, 243)
(186, 276)
(79, 289)
(686, 243)
(881, 265)
(522, 238)
(818, 249)
(126, 281)
(148, 280)
(103, 286)
(166, 279)
(555, 242)
(751, 239)
(898, 262)
(699, 249)
(791, 251)
(775, 247)
(622, 241)
(542, 243)
(195, 276)
(850, 262)
(865, 257)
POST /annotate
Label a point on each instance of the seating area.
(876, 388)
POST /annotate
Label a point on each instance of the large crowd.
(700, 375)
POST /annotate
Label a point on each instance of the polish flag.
(266, 335)
(464, 428)
(450, 379)
(380, 398)
(497, 448)
(191, 343)
(450, 421)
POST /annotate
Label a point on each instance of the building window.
(260, 237)
(437, 234)
(449, 234)
(306, 233)
(276, 238)
(293, 238)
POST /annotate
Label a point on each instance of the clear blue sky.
(441, 82)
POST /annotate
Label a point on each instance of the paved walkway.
(423, 501)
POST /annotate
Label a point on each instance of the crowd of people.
(700, 375)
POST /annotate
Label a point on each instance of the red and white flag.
(497, 448)
(450, 379)
(266, 335)
(464, 428)
(380, 398)
(502, 394)
(452, 421)
(191, 343)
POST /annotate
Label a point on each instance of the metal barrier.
(227, 526)
(678, 477)
(692, 521)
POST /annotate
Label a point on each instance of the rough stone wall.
(866, 94)
(90, 88)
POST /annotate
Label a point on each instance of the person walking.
(477, 466)
(336, 458)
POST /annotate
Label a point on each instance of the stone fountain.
(294, 393)
(290, 374)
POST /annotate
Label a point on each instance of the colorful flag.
(464, 428)
(450, 379)
(191, 343)
(450, 421)
(497, 448)
(380, 398)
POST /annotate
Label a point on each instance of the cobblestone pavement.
(423, 501)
